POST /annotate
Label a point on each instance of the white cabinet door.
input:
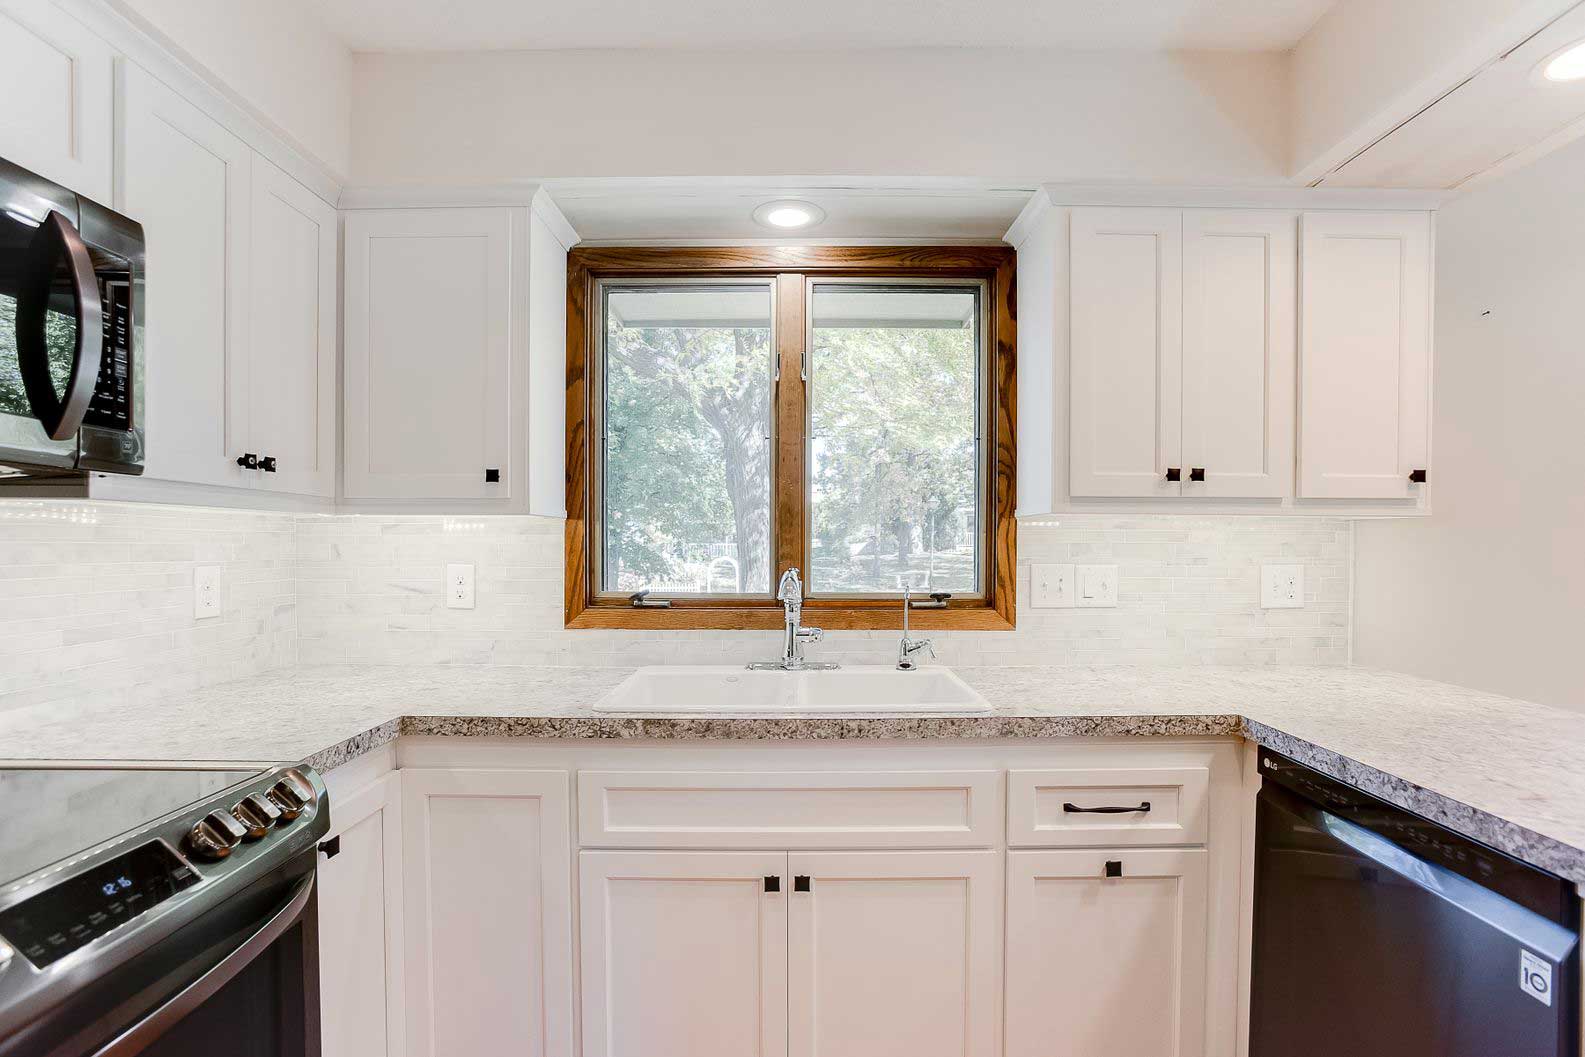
(1103, 966)
(489, 925)
(684, 954)
(284, 397)
(1127, 346)
(56, 97)
(186, 179)
(1239, 280)
(360, 921)
(429, 333)
(893, 954)
(1364, 354)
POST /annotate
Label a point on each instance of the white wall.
(1030, 114)
(1490, 591)
(275, 56)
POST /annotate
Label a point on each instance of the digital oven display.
(64, 917)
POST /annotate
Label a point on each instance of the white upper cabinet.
(187, 180)
(1238, 352)
(430, 344)
(1127, 351)
(283, 395)
(1365, 355)
(56, 97)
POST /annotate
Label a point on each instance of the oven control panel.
(69, 915)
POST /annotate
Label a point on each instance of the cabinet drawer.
(1057, 808)
(789, 810)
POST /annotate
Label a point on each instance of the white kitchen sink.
(737, 690)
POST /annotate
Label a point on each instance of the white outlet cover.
(1097, 586)
(1282, 587)
(206, 591)
(1050, 586)
(459, 585)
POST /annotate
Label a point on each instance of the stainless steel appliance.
(169, 913)
(1378, 932)
(71, 303)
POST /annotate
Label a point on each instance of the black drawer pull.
(1075, 809)
(1197, 473)
(1114, 867)
(332, 847)
(772, 884)
(801, 883)
(1174, 473)
(1418, 476)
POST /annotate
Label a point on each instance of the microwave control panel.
(111, 407)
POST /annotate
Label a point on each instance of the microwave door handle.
(57, 240)
(168, 1014)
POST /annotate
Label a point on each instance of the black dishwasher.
(1378, 932)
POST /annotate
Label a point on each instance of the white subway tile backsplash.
(96, 598)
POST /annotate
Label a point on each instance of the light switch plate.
(1282, 587)
(459, 585)
(206, 591)
(1051, 586)
(1097, 586)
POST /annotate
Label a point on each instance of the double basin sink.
(731, 690)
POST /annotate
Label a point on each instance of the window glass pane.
(895, 461)
(686, 481)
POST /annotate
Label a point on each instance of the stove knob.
(213, 836)
(256, 814)
(292, 795)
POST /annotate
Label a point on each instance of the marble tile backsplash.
(96, 600)
(369, 590)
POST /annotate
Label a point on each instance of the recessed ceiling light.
(789, 213)
(1566, 65)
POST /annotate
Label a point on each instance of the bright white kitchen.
(692, 529)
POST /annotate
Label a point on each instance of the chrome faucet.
(908, 647)
(790, 593)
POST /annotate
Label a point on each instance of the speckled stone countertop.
(1506, 772)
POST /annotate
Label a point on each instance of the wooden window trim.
(791, 266)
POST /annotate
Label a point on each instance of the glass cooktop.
(48, 814)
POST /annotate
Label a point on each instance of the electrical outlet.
(459, 586)
(1282, 587)
(206, 591)
(1051, 586)
(1097, 586)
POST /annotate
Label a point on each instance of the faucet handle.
(790, 587)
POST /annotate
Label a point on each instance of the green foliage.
(60, 331)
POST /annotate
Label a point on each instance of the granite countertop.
(1506, 772)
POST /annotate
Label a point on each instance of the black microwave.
(71, 371)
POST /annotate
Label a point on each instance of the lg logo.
(1535, 977)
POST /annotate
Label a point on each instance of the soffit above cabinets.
(1503, 116)
(643, 211)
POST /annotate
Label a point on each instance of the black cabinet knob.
(1417, 476)
(1197, 473)
(1174, 473)
(1114, 867)
(267, 463)
(772, 883)
(248, 461)
(492, 476)
(801, 883)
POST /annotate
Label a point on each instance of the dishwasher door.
(1365, 948)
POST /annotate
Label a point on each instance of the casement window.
(735, 412)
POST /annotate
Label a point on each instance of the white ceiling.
(1135, 25)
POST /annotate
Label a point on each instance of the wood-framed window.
(734, 412)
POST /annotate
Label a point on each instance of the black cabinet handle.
(772, 884)
(1417, 476)
(267, 463)
(1114, 867)
(492, 476)
(801, 883)
(248, 461)
(331, 847)
(1197, 473)
(1174, 473)
(1075, 809)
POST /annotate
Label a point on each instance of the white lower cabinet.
(684, 954)
(360, 921)
(893, 954)
(488, 913)
(1106, 966)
